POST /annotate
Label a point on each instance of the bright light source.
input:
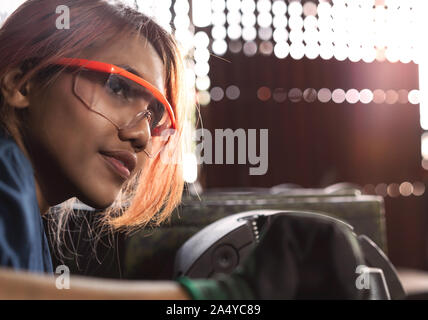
(297, 50)
(392, 54)
(280, 35)
(352, 96)
(355, 53)
(248, 6)
(234, 32)
(295, 22)
(296, 36)
(366, 96)
(219, 47)
(202, 68)
(190, 79)
(414, 97)
(280, 21)
(338, 95)
(234, 17)
(249, 20)
(264, 19)
(190, 167)
(422, 51)
(424, 145)
(181, 7)
(312, 51)
(232, 5)
(310, 23)
(218, 32)
(295, 8)
(310, 37)
(326, 51)
(279, 8)
(201, 55)
(218, 18)
(369, 54)
(10, 6)
(201, 13)
(281, 50)
(264, 5)
(203, 83)
(324, 9)
(217, 5)
(249, 33)
(181, 21)
(201, 40)
(185, 38)
(341, 52)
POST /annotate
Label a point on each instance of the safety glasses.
(124, 99)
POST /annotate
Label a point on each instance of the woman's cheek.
(72, 136)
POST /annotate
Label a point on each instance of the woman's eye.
(118, 87)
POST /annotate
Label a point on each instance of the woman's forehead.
(135, 54)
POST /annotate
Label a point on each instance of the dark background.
(317, 144)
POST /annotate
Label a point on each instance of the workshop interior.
(323, 100)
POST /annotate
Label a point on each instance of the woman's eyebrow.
(130, 69)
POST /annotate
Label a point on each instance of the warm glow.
(190, 167)
(201, 13)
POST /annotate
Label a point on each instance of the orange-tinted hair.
(30, 34)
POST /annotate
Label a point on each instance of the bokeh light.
(264, 93)
(279, 95)
(217, 93)
(295, 95)
(338, 95)
(232, 92)
(366, 96)
(324, 95)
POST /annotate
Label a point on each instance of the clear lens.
(125, 103)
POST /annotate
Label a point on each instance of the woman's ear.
(14, 96)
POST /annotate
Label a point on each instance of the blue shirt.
(23, 243)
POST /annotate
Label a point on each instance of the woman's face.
(72, 147)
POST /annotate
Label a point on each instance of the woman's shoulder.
(15, 168)
(23, 244)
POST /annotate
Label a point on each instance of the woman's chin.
(97, 202)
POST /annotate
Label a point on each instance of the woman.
(96, 113)
(70, 146)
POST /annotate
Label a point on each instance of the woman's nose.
(138, 134)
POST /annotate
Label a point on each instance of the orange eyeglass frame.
(112, 69)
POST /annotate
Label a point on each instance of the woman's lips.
(122, 162)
